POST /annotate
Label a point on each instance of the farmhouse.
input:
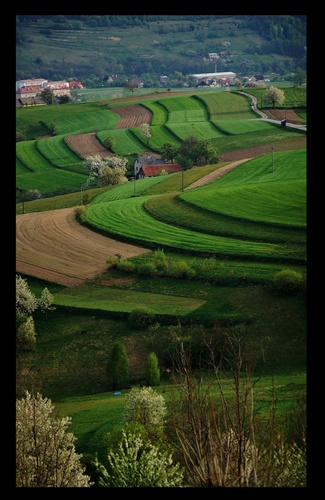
(154, 170)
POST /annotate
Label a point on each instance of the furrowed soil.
(86, 145)
(53, 246)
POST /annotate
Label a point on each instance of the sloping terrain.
(87, 145)
(53, 246)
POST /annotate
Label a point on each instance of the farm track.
(212, 176)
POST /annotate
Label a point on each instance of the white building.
(214, 76)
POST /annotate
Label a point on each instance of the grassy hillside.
(239, 232)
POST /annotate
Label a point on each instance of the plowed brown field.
(53, 246)
(132, 116)
(87, 145)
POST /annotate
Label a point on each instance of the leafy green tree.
(152, 370)
(45, 451)
(273, 95)
(117, 370)
(299, 78)
(169, 151)
(193, 151)
(48, 96)
(139, 463)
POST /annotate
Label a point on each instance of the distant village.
(28, 92)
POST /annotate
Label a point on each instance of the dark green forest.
(93, 48)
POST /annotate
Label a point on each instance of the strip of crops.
(87, 122)
(128, 189)
(278, 202)
(294, 97)
(125, 142)
(21, 168)
(173, 210)
(202, 130)
(236, 127)
(127, 300)
(159, 136)
(227, 106)
(276, 135)
(128, 219)
(29, 155)
(58, 153)
(27, 117)
(159, 112)
(185, 110)
(51, 181)
(284, 165)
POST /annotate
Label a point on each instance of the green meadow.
(222, 245)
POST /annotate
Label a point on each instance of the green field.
(237, 233)
(226, 118)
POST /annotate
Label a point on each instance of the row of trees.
(117, 369)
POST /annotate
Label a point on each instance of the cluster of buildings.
(28, 92)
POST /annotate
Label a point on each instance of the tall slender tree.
(117, 369)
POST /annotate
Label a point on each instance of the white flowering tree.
(45, 302)
(26, 333)
(45, 451)
(139, 463)
(145, 132)
(145, 406)
(106, 171)
(273, 95)
(26, 302)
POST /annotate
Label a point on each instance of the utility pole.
(80, 193)
(182, 179)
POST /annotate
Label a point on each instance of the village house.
(158, 169)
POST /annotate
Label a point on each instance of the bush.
(181, 270)
(141, 317)
(148, 269)
(288, 282)
(79, 212)
(125, 265)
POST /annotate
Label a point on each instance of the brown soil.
(87, 145)
(132, 116)
(53, 246)
(281, 114)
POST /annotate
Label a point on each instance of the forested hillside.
(107, 50)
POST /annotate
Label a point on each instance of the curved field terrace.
(53, 246)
